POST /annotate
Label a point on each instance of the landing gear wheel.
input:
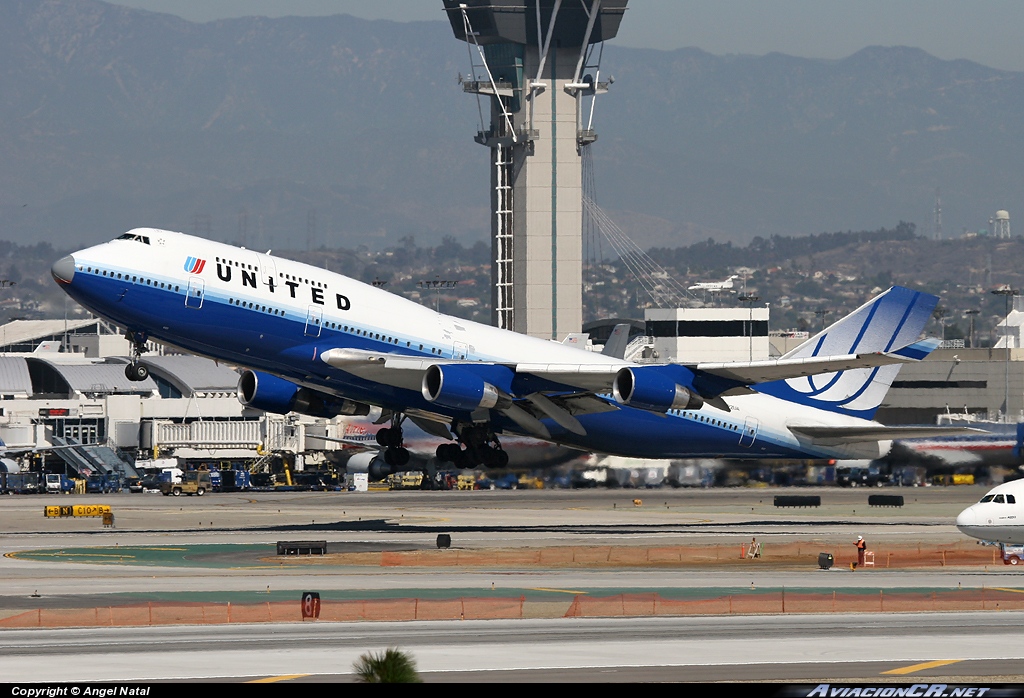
(396, 456)
(448, 453)
(136, 372)
(495, 458)
(464, 461)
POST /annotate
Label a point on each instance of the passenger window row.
(126, 277)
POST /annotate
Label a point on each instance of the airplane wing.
(403, 371)
(752, 372)
(353, 443)
(598, 378)
(6, 452)
(840, 435)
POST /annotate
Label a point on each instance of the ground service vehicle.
(1012, 554)
(57, 483)
(195, 482)
(21, 483)
(103, 484)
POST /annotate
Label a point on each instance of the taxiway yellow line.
(275, 679)
(921, 667)
(558, 591)
(1015, 591)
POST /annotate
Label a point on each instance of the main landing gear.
(135, 370)
(390, 439)
(476, 448)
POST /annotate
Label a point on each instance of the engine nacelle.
(263, 391)
(650, 390)
(370, 462)
(454, 387)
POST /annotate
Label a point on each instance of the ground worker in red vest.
(862, 546)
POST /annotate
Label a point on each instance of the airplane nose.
(967, 519)
(63, 270)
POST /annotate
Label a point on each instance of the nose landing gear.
(136, 371)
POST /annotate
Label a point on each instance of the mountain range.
(309, 131)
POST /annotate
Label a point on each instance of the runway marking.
(1015, 591)
(558, 591)
(63, 554)
(275, 679)
(921, 667)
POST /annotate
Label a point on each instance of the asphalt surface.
(221, 547)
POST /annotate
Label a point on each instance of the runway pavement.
(586, 649)
(921, 647)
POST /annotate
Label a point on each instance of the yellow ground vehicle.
(405, 481)
(529, 482)
(466, 482)
(195, 482)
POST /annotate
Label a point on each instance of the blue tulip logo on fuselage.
(194, 265)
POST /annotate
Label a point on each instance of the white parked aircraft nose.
(972, 522)
(967, 517)
(63, 270)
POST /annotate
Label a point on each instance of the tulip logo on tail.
(194, 265)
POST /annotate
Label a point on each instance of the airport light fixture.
(1006, 291)
(970, 335)
(822, 313)
(436, 285)
(750, 299)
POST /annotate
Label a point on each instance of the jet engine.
(457, 388)
(370, 462)
(263, 391)
(652, 391)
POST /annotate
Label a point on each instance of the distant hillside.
(264, 129)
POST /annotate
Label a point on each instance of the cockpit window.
(999, 499)
(137, 238)
(1010, 499)
(987, 498)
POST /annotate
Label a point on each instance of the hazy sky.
(986, 31)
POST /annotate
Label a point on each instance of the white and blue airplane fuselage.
(323, 343)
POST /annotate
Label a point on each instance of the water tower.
(537, 65)
(1001, 224)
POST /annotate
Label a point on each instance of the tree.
(390, 666)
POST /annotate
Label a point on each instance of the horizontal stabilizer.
(842, 435)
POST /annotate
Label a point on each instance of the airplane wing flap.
(381, 367)
(589, 377)
(584, 403)
(840, 435)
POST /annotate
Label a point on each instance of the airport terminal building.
(64, 383)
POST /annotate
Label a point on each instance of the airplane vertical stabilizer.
(888, 322)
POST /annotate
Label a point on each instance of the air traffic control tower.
(537, 64)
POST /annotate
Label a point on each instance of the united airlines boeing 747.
(320, 343)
